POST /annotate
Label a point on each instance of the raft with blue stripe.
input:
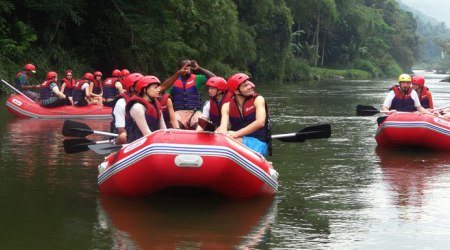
(183, 159)
(414, 129)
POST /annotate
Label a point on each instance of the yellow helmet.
(404, 78)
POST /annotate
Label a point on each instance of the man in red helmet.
(185, 88)
(22, 83)
(247, 114)
(112, 87)
(50, 95)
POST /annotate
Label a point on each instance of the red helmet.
(252, 85)
(235, 80)
(88, 76)
(217, 82)
(131, 80)
(98, 73)
(146, 81)
(419, 80)
(125, 72)
(30, 67)
(116, 72)
(68, 71)
(51, 74)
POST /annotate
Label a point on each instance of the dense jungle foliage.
(283, 40)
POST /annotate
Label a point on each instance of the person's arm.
(430, 100)
(137, 112)
(162, 124)
(119, 114)
(388, 102)
(119, 87)
(225, 119)
(205, 114)
(55, 90)
(204, 71)
(173, 119)
(258, 123)
(63, 86)
(169, 82)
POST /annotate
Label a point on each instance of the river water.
(336, 193)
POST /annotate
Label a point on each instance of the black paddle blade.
(362, 110)
(206, 125)
(381, 119)
(104, 149)
(72, 146)
(76, 129)
(316, 132)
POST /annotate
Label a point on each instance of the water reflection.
(35, 152)
(205, 223)
(411, 172)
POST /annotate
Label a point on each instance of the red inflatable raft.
(24, 107)
(414, 129)
(183, 158)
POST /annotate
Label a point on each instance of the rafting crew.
(50, 94)
(143, 111)
(112, 87)
(247, 115)
(217, 90)
(185, 89)
(23, 84)
(403, 97)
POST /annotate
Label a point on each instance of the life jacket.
(402, 102)
(69, 86)
(109, 88)
(17, 81)
(215, 108)
(45, 92)
(127, 98)
(78, 94)
(165, 110)
(423, 97)
(152, 116)
(185, 94)
(238, 120)
(97, 89)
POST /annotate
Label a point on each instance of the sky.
(437, 9)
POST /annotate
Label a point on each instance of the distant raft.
(24, 107)
(414, 129)
(182, 159)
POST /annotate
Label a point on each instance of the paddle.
(312, 132)
(16, 90)
(77, 145)
(105, 149)
(79, 129)
(363, 110)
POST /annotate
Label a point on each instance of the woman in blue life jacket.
(50, 95)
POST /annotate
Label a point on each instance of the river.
(336, 193)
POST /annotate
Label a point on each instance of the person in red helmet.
(81, 93)
(22, 83)
(123, 74)
(217, 89)
(50, 95)
(143, 112)
(424, 94)
(185, 88)
(96, 88)
(68, 83)
(112, 87)
(121, 100)
(247, 115)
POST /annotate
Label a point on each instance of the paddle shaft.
(17, 91)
